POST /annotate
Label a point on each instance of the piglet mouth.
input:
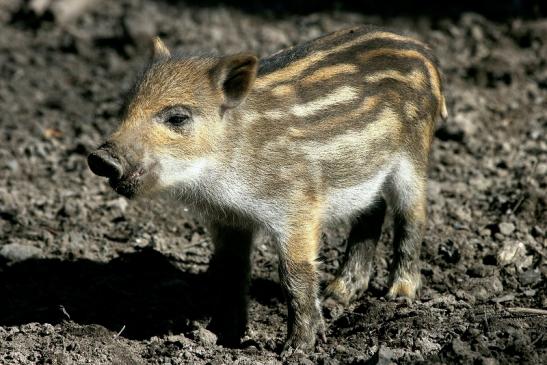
(136, 174)
(128, 185)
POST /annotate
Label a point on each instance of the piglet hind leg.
(354, 275)
(299, 278)
(405, 273)
(229, 271)
(409, 225)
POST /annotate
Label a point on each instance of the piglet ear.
(235, 75)
(159, 50)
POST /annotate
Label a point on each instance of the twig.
(519, 202)
(119, 333)
(541, 312)
(62, 308)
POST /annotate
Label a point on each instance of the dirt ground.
(89, 277)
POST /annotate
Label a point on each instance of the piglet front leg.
(299, 278)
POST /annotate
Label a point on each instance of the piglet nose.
(103, 163)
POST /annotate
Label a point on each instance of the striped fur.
(328, 130)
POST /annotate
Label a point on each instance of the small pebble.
(506, 228)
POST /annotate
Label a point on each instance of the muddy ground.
(89, 277)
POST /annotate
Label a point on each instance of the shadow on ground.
(142, 291)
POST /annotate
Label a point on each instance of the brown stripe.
(368, 104)
(291, 71)
(409, 53)
(414, 78)
(294, 69)
(328, 72)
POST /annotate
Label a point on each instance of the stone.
(118, 205)
(205, 337)
(530, 277)
(385, 356)
(506, 228)
(15, 252)
(66, 11)
(510, 252)
(537, 231)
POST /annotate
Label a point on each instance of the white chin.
(176, 173)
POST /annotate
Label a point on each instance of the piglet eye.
(174, 117)
(177, 120)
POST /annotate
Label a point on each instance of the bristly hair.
(129, 95)
(177, 55)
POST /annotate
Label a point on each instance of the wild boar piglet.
(337, 128)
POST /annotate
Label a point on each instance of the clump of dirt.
(130, 275)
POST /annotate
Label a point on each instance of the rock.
(537, 231)
(333, 309)
(530, 277)
(498, 236)
(65, 11)
(385, 356)
(541, 169)
(504, 298)
(72, 208)
(506, 228)
(466, 296)
(118, 206)
(180, 339)
(510, 252)
(205, 337)
(15, 252)
(463, 215)
(12, 165)
(525, 263)
(485, 288)
(427, 345)
(459, 347)
(39, 7)
(302, 360)
(466, 123)
(480, 183)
